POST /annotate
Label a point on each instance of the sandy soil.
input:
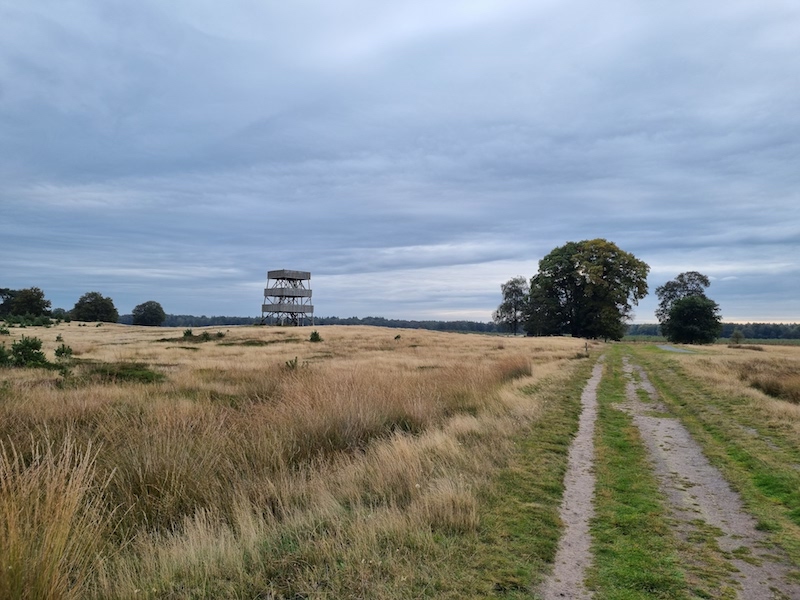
(574, 555)
(699, 495)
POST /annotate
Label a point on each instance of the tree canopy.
(148, 313)
(30, 301)
(93, 306)
(686, 314)
(690, 283)
(693, 320)
(587, 289)
(511, 312)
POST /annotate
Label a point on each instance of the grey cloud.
(187, 147)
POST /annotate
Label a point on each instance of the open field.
(379, 463)
(255, 463)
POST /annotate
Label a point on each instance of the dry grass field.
(769, 375)
(250, 462)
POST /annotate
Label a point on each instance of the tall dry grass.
(264, 464)
(770, 377)
(53, 522)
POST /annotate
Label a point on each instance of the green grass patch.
(121, 372)
(260, 342)
(633, 545)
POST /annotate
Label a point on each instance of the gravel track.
(574, 556)
(699, 495)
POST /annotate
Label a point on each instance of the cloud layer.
(411, 156)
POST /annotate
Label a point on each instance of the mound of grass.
(260, 342)
(746, 347)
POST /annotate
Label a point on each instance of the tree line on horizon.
(30, 304)
(751, 331)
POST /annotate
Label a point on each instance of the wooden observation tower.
(287, 298)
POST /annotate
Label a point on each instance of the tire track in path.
(698, 495)
(574, 555)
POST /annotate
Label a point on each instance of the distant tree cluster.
(651, 329)
(27, 302)
(763, 331)
(464, 326)
(584, 289)
(205, 321)
(750, 331)
(31, 305)
(93, 306)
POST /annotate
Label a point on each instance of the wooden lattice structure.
(287, 298)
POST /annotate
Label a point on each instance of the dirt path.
(700, 497)
(574, 555)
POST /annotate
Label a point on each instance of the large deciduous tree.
(587, 289)
(149, 313)
(686, 314)
(690, 283)
(93, 306)
(511, 312)
(693, 320)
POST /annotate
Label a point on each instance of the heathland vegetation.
(360, 462)
(252, 462)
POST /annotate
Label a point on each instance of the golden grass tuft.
(53, 520)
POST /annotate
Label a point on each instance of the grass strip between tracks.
(633, 547)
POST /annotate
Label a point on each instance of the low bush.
(63, 352)
(27, 352)
(6, 359)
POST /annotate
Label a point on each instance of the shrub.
(4, 330)
(187, 333)
(205, 337)
(27, 352)
(5, 357)
(63, 352)
(315, 336)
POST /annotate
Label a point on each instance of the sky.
(412, 156)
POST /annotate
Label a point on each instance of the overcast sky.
(412, 155)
